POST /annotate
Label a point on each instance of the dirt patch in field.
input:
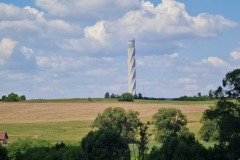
(60, 112)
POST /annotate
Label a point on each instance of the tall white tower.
(131, 67)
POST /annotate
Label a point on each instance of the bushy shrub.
(3, 153)
(124, 122)
(128, 97)
(105, 144)
(20, 146)
(12, 97)
(167, 122)
(182, 147)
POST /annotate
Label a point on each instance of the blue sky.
(59, 49)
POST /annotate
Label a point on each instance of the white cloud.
(58, 62)
(186, 80)
(166, 22)
(169, 18)
(97, 33)
(7, 46)
(97, 72)
(14, 13)
(27, 52)
(235, 55)
(34, 11)
(95, 10)
(215, 61)
(174, 55)
(10, 12)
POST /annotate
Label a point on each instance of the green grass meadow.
(69, 132)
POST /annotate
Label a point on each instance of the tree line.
(130, 96)
(13, 97)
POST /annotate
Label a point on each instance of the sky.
(78, 48)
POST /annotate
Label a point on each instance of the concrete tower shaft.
(131, 67)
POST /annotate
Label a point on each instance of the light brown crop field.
(70, 121)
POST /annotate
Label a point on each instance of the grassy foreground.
(75, 116)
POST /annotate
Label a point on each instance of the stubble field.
(70, 121)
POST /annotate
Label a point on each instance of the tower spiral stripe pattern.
(131, 67)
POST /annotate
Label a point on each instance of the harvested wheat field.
(71, 121)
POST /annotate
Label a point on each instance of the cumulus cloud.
(7, 46)
(169, 18)
(14, 13)
(235, 55)
(34, 11)
(167, 21)
(27, 52)
(215, 61)
(32, 22)
(174, 55)
(95, 10)
(97, 32)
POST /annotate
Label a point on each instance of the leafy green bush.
(124, 122)
(105, 144)
(20, 146)
(12, 97)
(3, 153)
(32, 149)
(54, 153)
(168, 121)
(182, 147)
(128, 97)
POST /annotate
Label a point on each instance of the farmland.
(70, 120)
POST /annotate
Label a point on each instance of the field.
(70, 120)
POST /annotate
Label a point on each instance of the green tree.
(210, 94)
(224, 117)
(124, 122)
(112, 95)
(58, 152)
(140, 96)
(4, 98)
(230, 86)
(126, 97)
(210, 130)
(167, 122)
(135, 96)
(199, 94)
(3, 153)
(20, 146)
(105, 144)
(231, 83)
(107, 95)
(143, 141)
(12, 97)
(22, 97)
(182, 147)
